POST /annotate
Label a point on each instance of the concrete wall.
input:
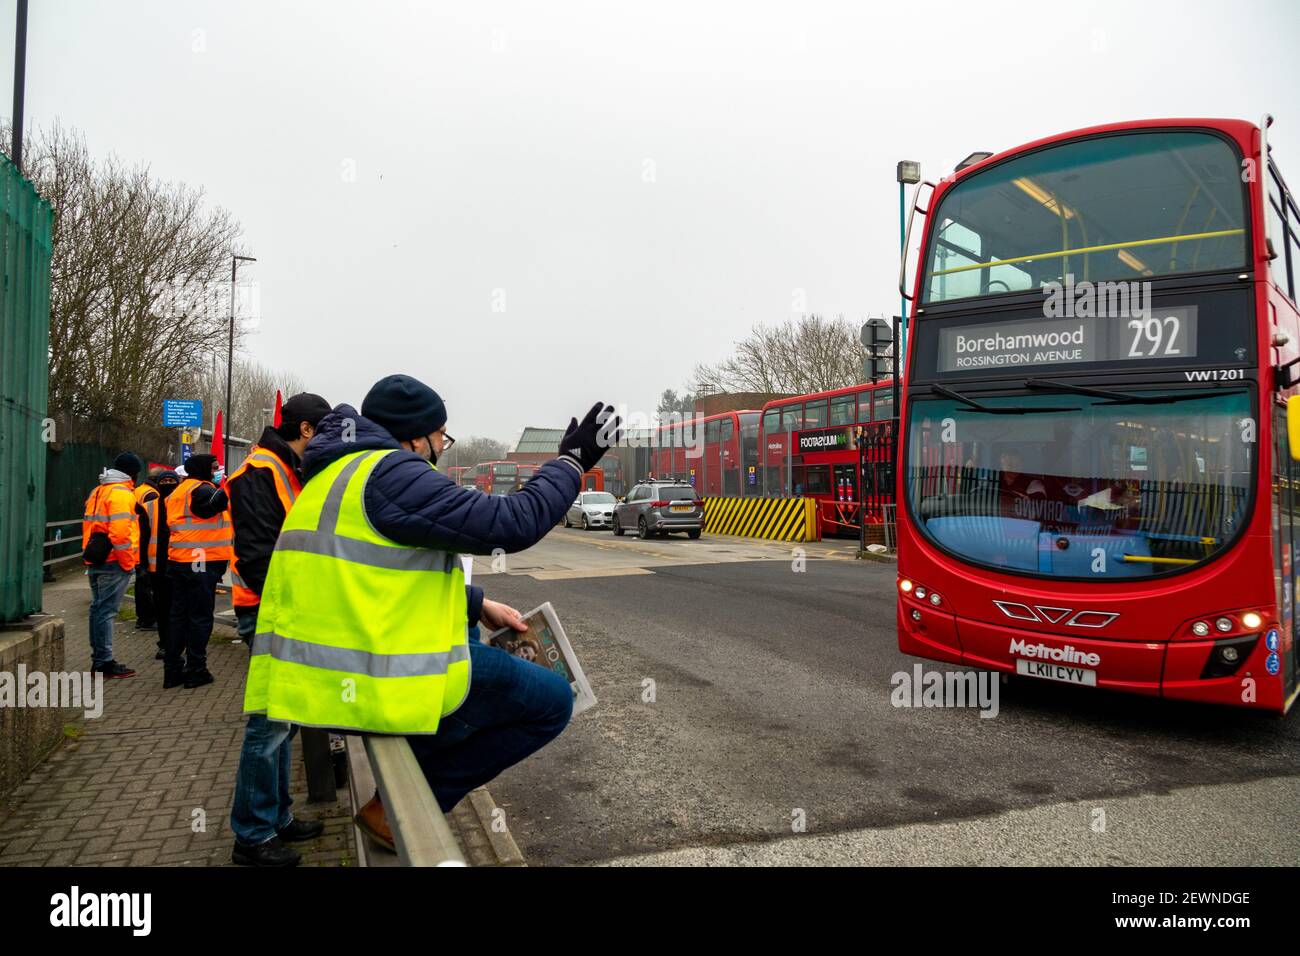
(28, 734)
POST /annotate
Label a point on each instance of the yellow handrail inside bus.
(1134, 243)
(1146, 560)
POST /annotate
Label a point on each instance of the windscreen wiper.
(994, 409)
(1118, 398)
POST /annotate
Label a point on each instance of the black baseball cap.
(303, 407)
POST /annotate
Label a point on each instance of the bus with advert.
(1096, 482)
(813, 446)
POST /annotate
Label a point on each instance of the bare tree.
(808, 354)
(252, 393)
(472, 450)
(136, 284)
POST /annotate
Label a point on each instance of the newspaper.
(545, 645)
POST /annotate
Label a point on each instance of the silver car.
(659, 508)
(591, 509)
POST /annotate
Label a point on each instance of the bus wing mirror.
(1293, 425)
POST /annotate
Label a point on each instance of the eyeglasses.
(447, 441)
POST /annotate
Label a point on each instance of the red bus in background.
(611, 469)
(457, 473)
(496, 477)
(525, 472)
(1116, 509)
(717, 454)
(810, 448)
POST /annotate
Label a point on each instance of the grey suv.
(660, 507)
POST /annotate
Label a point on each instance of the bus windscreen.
(1119, 207)
(1100, 490)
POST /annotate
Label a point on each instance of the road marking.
(593, 573)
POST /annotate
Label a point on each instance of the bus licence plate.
(1061, 672)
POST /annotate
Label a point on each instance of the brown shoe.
(373, 822)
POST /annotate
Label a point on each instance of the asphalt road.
(772, 704)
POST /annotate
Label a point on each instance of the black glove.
(586, 443)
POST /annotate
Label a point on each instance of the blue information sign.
(186, 413)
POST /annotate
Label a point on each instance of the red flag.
(275, 420)
(218, 448)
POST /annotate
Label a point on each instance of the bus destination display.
(1163, 334)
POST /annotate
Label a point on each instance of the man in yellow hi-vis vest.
(366, 623)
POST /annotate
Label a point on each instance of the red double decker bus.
(523, 473)
(717, 454)
(458, 473)
(1096, 483)
(611, 470)
(810, 447)
(496, 477)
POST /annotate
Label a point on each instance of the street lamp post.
(908, 174)
(230, 353)
(20, 84)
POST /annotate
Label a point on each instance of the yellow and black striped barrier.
(780, 519)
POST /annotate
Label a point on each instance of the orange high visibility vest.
(192, 537)
(287, 487)
(111, 509)
(146, 496)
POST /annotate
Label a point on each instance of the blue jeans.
(262, 798)
(108, 583)
(514, 708)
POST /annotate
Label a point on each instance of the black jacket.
(256, 512)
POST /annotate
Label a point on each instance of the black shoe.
(271, 853)
(160, 655)
(145, 627)
(173, 679)
(299, 830)
(113, 670)
(198, 678)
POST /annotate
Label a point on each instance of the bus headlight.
(935, 599)
(905, 586)
(1200, 628)
(920, 593)
(1224, 624)
(1250, 620)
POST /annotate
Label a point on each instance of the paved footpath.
(150, 782)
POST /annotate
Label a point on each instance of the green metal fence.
(25, 220)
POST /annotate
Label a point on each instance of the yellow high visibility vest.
(355, 631)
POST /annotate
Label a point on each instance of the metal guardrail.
(890, 513)
(55, 541)
(420, 830)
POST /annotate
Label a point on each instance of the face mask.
(433, 454)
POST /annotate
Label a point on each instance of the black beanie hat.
(200, 466)
(303, 407)
(128, 463)
(405, 406)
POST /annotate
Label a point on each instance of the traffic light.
(877, 338)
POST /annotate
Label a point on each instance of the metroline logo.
(1068, 654)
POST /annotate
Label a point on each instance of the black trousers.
(194, 602)
(161, 587)
(146, 612)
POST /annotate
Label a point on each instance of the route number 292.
(1155, 338)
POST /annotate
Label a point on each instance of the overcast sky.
(635, 185)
